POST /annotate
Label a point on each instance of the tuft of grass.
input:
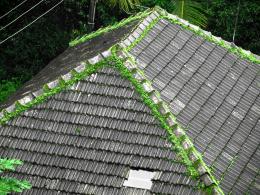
(78, 130)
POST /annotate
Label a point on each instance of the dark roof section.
(214, 94)
(84, 141)
(70, 59)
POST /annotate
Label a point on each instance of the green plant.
(78, 130)
(7, 87)
(8, 185)
(221, 22)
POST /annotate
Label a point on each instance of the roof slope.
(214, 94)
(85, 139)
(210, 87)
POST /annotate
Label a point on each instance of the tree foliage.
(222, 16)
(8, 185)
(125, 5)
(7, 87)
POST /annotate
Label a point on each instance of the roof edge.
(230, 46)
(82, 69)
(197, 168)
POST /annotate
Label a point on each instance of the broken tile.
(67, 76)
(80, 67)
(138, 75)
(53, 84)
(155, 97)
(186, 144)
(38, 93)
(106, 53)
(206, 180)
(178, 132)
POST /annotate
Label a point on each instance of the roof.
(168, 97)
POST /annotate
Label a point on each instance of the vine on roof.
(192, 167)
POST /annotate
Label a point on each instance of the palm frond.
(125, 5)
(190, 10)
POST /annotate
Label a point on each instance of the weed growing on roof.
(229, 166)
(78, 130)
(252, 182)
(8, 185)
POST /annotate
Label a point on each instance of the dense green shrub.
(7, 87)
(8, 185)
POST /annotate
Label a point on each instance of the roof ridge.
(193, 160)
(86, 37)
